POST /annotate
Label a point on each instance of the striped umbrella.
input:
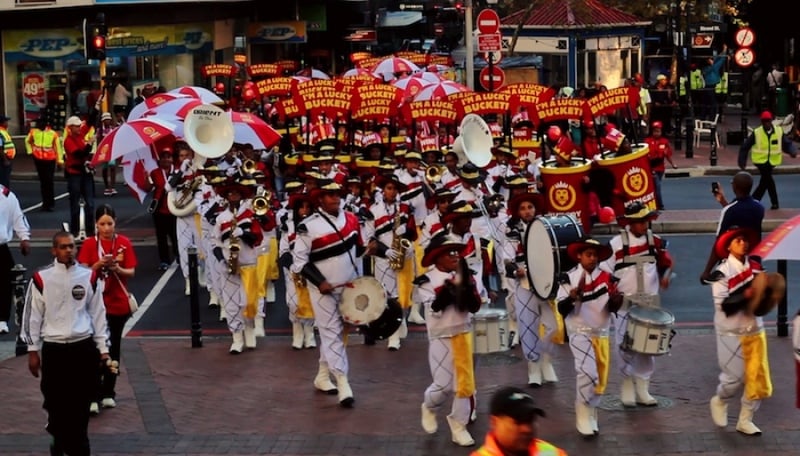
(440, 91)
(201, 93)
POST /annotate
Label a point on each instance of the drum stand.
(641, 298)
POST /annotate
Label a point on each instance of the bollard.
(676, 114)
(194, 299)
(18, 285)
(689, 137)
(712, 157)
(743, 121)
(782, 323)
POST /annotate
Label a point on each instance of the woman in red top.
(111, 256)
(660, 151)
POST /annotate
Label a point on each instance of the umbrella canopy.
(428, 76)
(131, 137)
(360, 73)
(436, 68)
(781, 244)
(249, 129)
(154, 102)
(440, 90)
(411, 86)
(136, 167)
(313, 73)
(178, 107)
(200, 93)
(387, 68)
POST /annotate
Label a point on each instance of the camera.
(715, 187)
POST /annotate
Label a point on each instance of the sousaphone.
(474, 143)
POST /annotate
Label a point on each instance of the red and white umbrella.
(781, 244)
(440, 91)
(389, 67)
(313, 73)
(136, 167)
(361, 73)
(411, 86)
(130, 137)
(178, 107)
(201, 93)
(154, 102)
(248, 128)
(438, 68)
(428, 76)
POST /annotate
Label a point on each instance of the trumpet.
(433, 173)
(261, 202)
(233, 259)
(249, 166)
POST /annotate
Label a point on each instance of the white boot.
(719, 412)
(309, 340)
(238, 343)
(628, 392)
(213, 299)
(643, 396)
(394, 340)
(415, 316)
(459, 433)
(297, 335)
(249, 335)
(593, 420)
(513, 333)
(548, 372)
(259, 329)
(323, 382)
(222, 316)
(201, 276)
(429, 423)
(745, 424)
(534, 374)
(583, 421)
(403, 330)
(345, 393)
(187, 290)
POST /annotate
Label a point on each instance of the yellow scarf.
(250, 285)
(602, 359)
(757, 380)
(463, 364)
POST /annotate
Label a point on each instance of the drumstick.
(343, 285)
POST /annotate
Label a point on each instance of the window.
(146, 68)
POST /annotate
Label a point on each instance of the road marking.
(151, 297)
(38, 205)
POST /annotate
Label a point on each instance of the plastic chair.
(703, 128)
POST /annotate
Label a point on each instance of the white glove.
(392, 254)
(237, 232)
(400, 230)
(230, 171)
(186, 166)
(502, 168)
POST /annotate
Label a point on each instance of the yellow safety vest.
(642, 109)
(9, 149)
(722, 87)
(542, 449)
(44, 144)
(682, 86)
(696, 81)
(764, 149)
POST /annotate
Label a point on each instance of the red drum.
(564, 188)
(633, 180)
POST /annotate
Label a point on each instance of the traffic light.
(94, 40)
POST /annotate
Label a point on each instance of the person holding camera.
(78, 172)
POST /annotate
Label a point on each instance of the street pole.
(782, 323)
(690, 105)
(194, 299)
(490, 58)
(470, 45)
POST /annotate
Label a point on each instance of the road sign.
(491, 42)
(745, 37)
(495, 56)
(488, 21)
(744, 57)
(497, 79)
(702, 40)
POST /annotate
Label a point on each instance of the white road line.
(151, 297)
(38, 205)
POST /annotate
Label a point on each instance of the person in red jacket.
(80, 176)
(163, 220)
(660, 151)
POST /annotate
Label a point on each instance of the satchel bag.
(133, 304)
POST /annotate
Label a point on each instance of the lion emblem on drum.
(562, 196)
(635, 182)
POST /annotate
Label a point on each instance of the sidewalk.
(173, 399)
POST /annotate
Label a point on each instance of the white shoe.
(309, 340)
(429, 423)
(548, 372)
(593, 420)
(238, 343)
(323, 382)
(394, 340)
(201, 276)
(222, 316)
(719, 412)
(459, 434)
(583, 421)
(403, 330)
(259, 327)
(3, 327)
(297, 335)
(745, 424)
(109, 402)
(213, 299)
(249, 336)
(628, 392)
(643, 396)
(534, 374)
(94, 409)
(415, 316)
(345, 393)
(187, 290)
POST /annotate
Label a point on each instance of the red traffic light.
(99, 42)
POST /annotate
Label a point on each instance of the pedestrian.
(449, 295)
(79, 174)
(9, 151)
(745, 211)
(584, 301)
(64, 326)
(712, 75)
(766, 145)
(664, 102)
(109, 167)
(48, 152)
(757, 84)
(742, 294)
(659, 152)
(164, 221)
(112, 258)
(121, 99)
(514, 427)
(774, 82)
(14, 221)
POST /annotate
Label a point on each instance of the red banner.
(376, 101)
(287, 108)
(560, 109)
(288, 65)
(416, 58)
(218, 69)
(527, 95)
(264, 69)
(609, 101)
(564, 189)
(322, 96)
(632, 178)
(437, 59)
(281, 87)
(482, 103)
(430, 110)
(356, 57)
(369, 62)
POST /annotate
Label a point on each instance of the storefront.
(46, 74)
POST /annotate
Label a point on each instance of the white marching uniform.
(206, 199)
(186, 228)
(286, 245)
(451, 181)
(430, 227)
(414, 195)
(382, 229)
(474, 256)
(480, 226)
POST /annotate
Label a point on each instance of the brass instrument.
(181, 200)
(261, 202)
(249, 166)
(399, 243)
(433, 174)
(233, 258)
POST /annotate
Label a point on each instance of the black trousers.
(6, 290)
(46, 169)
(166, 236)
(68, 373)
(766, 183)
(107, 382)
(81, 186)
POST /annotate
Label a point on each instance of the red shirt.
(114, 296)
(159, 177)
(659, 151)
(75, 152)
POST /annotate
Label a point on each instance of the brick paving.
(173, 399)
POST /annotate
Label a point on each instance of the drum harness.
(640, 297)
(341, 238)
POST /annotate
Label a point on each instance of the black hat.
(4, 118)
(514, 403)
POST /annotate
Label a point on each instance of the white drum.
(363, 301)
(649, 331)
(490, 331)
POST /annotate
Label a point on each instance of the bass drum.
(363, 301)
(546, 240)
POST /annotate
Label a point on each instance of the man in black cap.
(513, 426)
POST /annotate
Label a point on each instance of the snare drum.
(648, 331)
(490, 331)
(363, 301)
(546, 241)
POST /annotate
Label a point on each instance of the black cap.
(4, 118)
(515, 403)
